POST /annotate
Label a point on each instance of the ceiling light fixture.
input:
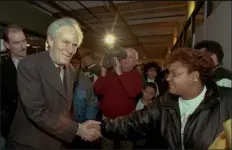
(109, 39)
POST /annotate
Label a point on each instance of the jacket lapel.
(68, 82)
(52, 75)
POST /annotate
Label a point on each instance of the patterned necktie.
(72, 113)
(59, 69)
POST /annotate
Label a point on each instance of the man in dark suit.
(45, 81)
(15, 42)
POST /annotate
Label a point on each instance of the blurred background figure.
(119, 90)
(76, 63)
(149, 93)
(139, 68)
(16, 43)
(221, 75)
(92, 70)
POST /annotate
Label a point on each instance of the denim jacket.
(85, 102)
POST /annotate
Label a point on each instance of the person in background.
(151, 74)
(85, 103)
(149, 93)
(76, 63)
(139, 68)
(44, 116)
(221, 75)
(189, 116)
(119, 89)
(92, 70)
(2, 140)
(2, 143)
(16, 43)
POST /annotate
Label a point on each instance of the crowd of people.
(58, 99)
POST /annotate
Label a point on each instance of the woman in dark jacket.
(188, 116)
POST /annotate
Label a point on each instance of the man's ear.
(49, 42)
(142, 90)
(215, 59)
(6, 45)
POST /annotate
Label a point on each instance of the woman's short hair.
(150, 65)
(194, 60)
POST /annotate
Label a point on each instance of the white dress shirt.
(15, 61)
(61, 72)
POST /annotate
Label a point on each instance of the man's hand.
(103, 69)
(89, 130)
(117, 67)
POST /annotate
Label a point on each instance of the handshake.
(89, 130)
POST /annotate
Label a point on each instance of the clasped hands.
(89, 130)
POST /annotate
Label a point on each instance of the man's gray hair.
(134, 51)
(65, 21)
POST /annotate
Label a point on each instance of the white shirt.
(187, 107)
(93, 77)
(61, 72)
(91, 66)
(224, 83)
(15, 61)
(153, 81)
(139, 105)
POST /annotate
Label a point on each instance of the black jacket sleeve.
(138, 125)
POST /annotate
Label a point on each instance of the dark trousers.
(17, 146)
(78, 143)
(108, 144)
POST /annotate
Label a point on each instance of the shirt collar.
(15, 61)
(218, 66)
(90, 66)
(58, 65)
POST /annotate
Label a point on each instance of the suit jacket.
(9, 94)
(43, 117)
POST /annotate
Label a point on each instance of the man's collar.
(218, 66)
(62, 66)
(14, 58)
(92, 65)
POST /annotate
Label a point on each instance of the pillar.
(190, 7)
(175, 36)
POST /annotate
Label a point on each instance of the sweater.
(119, 92)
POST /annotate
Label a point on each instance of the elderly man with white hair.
(43, 118)
(119, 89)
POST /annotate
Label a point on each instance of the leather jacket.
(221, 73)
(162, 119)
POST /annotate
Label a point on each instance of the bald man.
(119, 89)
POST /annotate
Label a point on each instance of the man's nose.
(70, 49)
(24, 45)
